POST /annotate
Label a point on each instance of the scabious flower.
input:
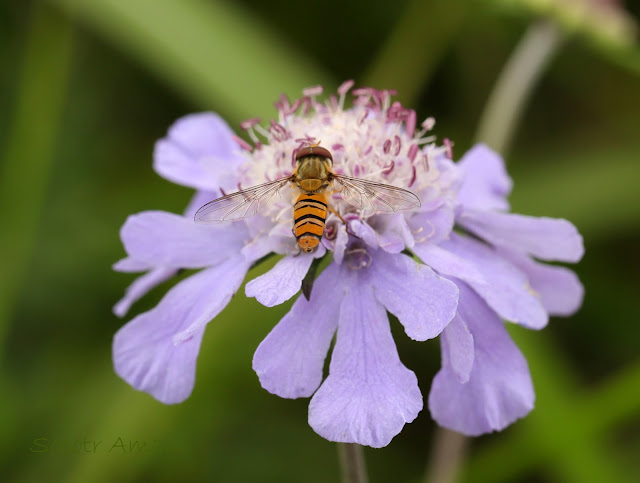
(460, 284)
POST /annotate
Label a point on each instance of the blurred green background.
(87, 87)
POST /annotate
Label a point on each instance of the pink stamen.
(410, 122)
(337, 147)
(413, 150)
(332, 103)
(413, 176)
(306, 105)
(312, 91)
(368, 150)
(428, 123)
(249, 123)
(345, 86)
(242, 143)
(398, 144)
(448, 148)
(386, 146)
(278, 131)
(388, 170)
(294, 107)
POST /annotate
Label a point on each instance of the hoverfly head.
(314, 150)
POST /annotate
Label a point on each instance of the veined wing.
(242, 204)
(372, 196)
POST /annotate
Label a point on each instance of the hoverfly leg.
(338, 215)
(343, 221)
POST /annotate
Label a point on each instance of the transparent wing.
(242, 204)
(373, 196)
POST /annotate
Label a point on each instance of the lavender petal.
(369, 394)
(156, 352)
(283, 281)
(199, 152)
(397, 279)
(505, 288)
(559, 288)
(499, 389)
(486, 183)
(544, 238)
(164, 239)
(290, 359)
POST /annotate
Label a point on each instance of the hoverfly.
(314, 179)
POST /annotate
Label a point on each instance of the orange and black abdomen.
(310, 212)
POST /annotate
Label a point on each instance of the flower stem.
(352, 465)
(496, 128)
(448, 452)
(515, 84)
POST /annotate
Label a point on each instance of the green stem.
(352, 465)
(515, 84)
(448, 452)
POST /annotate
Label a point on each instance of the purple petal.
(140, 287)
(165, 239)
(505, 288)
(156, 352)
(499, 389)
(198, 200)
(397, 279)
(362, 230)
(283, 281)
(457, 348)
(559, 288)
(545, 238)
(199, 152)
(369, 395)
(130, 265)
(393, 232)
(447, 263)
(340, 246)
(486, 182)
(432, 226)
(289, 361)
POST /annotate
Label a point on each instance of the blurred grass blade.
(29, 147)
(418, 41)
(215, 53)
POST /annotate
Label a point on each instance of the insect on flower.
(314, 179)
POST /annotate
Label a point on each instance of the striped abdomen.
(310, 212)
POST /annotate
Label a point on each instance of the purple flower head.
(409, 263)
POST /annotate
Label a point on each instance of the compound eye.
(308, 250)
